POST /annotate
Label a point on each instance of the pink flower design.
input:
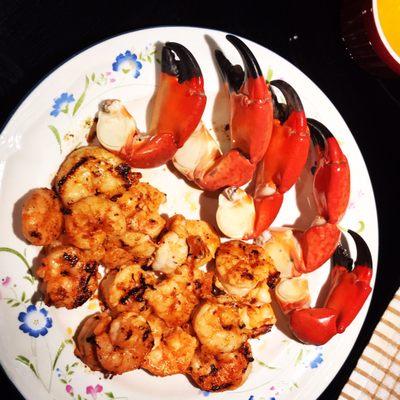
(93, 391)
(5, 281)
(69, 389)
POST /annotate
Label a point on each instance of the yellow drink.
(388, 24)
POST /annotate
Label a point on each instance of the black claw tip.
(185, 68)
(316, 136)
(233, 74)
(363, 253)
(319, 132)
(342, 257)
(281, 110)
(292, 99)
(251, 65)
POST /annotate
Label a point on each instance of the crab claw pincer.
(331, 190)
(178, 106)
(349, 288)
(281, 165)
(250, 127)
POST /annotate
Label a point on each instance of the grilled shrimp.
(123, 342)
(203, 242)
(131, 247)
(92, 170)
(95, 254)
(241, 266)
(91, 220)
(222, 371)
(257, 319)
(68, 279)
(174, 298)
(42, 219)
(219, 327)
(172, 248)
(140, 206)
(141, 196)
(86, 344)
(123, 289)
(172, 351)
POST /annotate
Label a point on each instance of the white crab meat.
(284, 249)
(236, 213)
(115, 125)
(292, 294)
(197, 155)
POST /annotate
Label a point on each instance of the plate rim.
(329, 377)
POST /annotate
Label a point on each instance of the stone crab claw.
(250, 128)
(281, 165)
(331, 189)
(178, 107)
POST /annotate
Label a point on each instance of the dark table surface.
(36, 36)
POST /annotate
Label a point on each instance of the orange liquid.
(389, 18)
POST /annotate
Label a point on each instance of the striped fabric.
(377, 374)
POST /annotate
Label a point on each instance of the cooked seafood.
(172, 248)
(257, 320)
(173, 349)
(174, 298)
(92, 170)
(86, 344)
(131, 247)
(202, 240)
(124, 289)
(219, 326)
(42, 219)
(68, 279)
(91, 220)
(241, 266)
(215, 372)
(122, 343)
(140, 206)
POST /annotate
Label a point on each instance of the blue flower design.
(317, 360)
(61, 104)
(126, 63)
(35, 322)
(251, 397)
(205, 393)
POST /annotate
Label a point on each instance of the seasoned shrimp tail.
(221, 371)
(123, 342)
(124, 289)
(42, 219)
(68, 279)
(91, 170)
(172, 352)
(86, 344)
(219, 327)
(91, 220)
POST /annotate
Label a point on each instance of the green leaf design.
(362, 226)
(299, 357)
(93, 77)
(27, 362)
(59, 351)
(81, 97)
(18, 254)
(23, 297)
(29, 278)
(56, 135)
(110, 395)
(16, 304)
(269, 75)
(262, 363)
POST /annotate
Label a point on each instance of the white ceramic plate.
(52, 121)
